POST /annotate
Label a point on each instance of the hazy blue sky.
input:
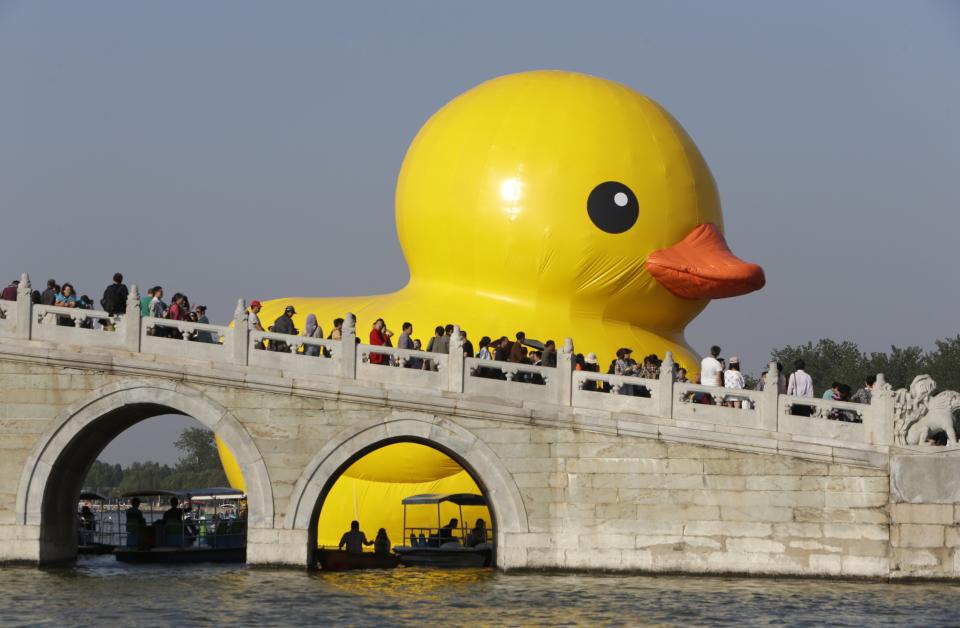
(230, 149)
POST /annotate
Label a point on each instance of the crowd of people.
(715, 370)
(114, 303)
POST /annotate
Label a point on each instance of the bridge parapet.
(754, 414)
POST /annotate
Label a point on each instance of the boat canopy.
(90, 496)
(460, 499)
(193, 493)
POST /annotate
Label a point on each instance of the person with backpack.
(114, 301)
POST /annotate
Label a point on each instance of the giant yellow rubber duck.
(556, 203)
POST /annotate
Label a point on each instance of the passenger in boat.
(381, 545)
(354, 540)
(478, 535)
(445, 534)
(173, 514)
(86, 518)
(135, 520)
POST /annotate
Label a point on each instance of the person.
(477, 535)
(517, 352)
(416, 363)
(10, 292)
(201, 314)
(134, 517)
(114, 301)
(145, 303)
(445, 534)
(502, 349)
(87, 517)
(437, 335)
(484, 353)
(405, 341)
(381, 544)
(173, 514)
(467, 345)
(800, 385)
(66, 298)
(682, 375)
(49, 296)
(158, 309)
(711, 370)
(178, 311)
(354, 540)
(865, 394)
(337, 332)
(312, 330)
(733, 378)
(650, 368)
(378, 339)
(283, 325)
(443, 342)
(830, 394)
(549, 355)
(591, 364)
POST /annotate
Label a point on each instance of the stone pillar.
(24, 307)
(455, 362)
(880, 414)
(129, 325)
(770, 399)
(240, 334)
(664, 395)
(565, 373)
(348, 347)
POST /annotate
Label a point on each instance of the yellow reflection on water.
(407, 582)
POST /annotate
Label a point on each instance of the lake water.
(99, 591)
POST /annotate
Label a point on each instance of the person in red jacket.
(378, 338)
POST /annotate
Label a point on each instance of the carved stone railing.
(914, 414)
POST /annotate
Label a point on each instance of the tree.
(829, 361)
(199, 450)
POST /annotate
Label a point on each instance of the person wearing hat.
(253, 321)
(733, 378)
(592, 365)
(283, 325)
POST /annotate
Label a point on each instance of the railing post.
(241, 334)
(456, 365)
(565, 373)
(770, 399)
(348, 347)
(664, 398)
(130, 323)
(880, 414)
(24, 307)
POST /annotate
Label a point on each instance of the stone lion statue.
(919, 414)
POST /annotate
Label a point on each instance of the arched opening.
(371, 485)
(53, 477)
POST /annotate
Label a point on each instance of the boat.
(213, 528)
(341, 560)
(444, 546)
(92, 535)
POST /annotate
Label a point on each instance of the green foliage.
(828, 361)
(199, 466)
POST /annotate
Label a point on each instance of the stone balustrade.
(760, 412)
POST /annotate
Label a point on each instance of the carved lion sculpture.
(918, 414)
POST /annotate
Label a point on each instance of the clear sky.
(229, 149)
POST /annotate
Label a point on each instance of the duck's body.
(559, 204)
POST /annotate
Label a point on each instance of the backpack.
(112, 302)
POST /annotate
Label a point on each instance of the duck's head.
(558, 189)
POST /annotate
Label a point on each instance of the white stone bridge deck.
(576, 478)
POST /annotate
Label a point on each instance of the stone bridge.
(576, 478)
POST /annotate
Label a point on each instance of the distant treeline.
(199, 466)
(829, 361)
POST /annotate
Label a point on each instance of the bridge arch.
(54, 471)
(505, 502)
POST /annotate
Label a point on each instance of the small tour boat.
(445, 546)
(213, 528)
(341, 560)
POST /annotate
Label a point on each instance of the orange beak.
(701, 266)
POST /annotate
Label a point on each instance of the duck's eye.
(613, 207)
